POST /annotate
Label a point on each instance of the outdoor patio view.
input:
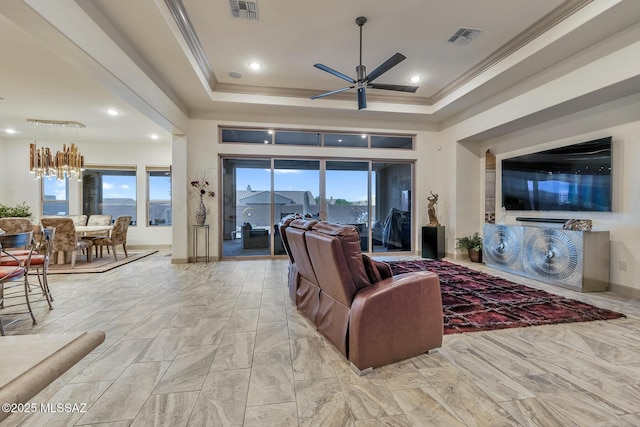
(375, 197)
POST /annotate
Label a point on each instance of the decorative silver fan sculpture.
(503, 246)
(553, 254)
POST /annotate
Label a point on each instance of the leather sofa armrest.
(394, 319)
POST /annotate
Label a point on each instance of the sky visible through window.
(53, 187)
(113, 187)
(118, 187)
(346, 185)
(159, 188)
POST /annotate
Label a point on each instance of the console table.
(578, 260)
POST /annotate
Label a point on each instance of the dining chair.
(118, 236)
(99, 219)
(43, 258)
(14, 276)
(79, 219)
(93, 235)
(40, 258)
(14, 225)
(66, 239)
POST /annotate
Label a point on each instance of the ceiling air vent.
(464, 35)
(244, 9)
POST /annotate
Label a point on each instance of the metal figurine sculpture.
(431, 209)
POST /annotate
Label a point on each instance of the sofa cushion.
(371, 269)
(349, 240)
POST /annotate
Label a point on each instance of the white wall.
(20, 185)
(619, 119)
(3, 180)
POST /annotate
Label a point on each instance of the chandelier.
(66, 163)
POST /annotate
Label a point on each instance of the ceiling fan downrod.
(361, 20)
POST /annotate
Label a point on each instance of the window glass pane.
(398, 142)
(246, 207)
(159, 198)
(347, 199)
(109, 192)
(298, 138)
(246, 136)
(392, 191)
(55, 196)
(296, 190)
(345, 140)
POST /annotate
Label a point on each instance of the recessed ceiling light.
(112, 112)
(415, 79)
(363, 136)
(255, 65)
(154, 136)
(235, 75)
(270, 132)
(10, 130)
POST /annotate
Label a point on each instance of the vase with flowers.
(202, 186)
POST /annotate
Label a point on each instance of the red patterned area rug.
(476, 301)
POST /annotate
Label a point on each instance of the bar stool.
(14, 271)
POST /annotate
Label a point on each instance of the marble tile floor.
(222, 345)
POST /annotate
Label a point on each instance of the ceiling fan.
(364, 80)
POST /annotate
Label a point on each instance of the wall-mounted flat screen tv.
(572, 178)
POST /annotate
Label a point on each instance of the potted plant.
(473, 245)
(21, 210)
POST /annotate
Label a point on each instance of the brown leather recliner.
(371, 318)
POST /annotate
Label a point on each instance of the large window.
(315, 138)
(374, 196)
(109, 192)
(55, 196)
(159, 196)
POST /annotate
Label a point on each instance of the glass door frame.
(322, 199)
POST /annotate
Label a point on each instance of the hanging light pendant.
(66, 163)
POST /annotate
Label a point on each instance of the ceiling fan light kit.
(364, 80)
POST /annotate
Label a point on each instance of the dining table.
(84, 229)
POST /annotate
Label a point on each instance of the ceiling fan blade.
(386, 66)
(322, 95)
(399, 88)
(362, 98)
(334, 72)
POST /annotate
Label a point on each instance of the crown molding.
(308, 93)
(548, 21)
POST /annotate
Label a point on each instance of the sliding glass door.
(391, 185)
(347, 196)
(374, 196)
(246, 208)
(296, 189)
